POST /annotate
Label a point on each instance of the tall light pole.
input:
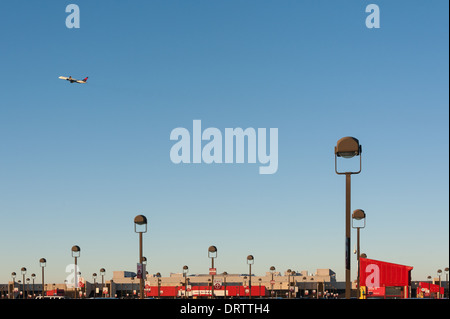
(212, 253)
(94, 275)
(185, 271)
(13, 275)
(76, 252)
(431, 282)
(24, 271)
(43, 263)
(439, 272)
(289, 283)
(141, 221)
(272, 282)
(250, 261)
(358, 215)
(159, 284)
(102, 273)
(260, 287)
(33, 276)
(28, 288)
(347, 147)
(446, 279)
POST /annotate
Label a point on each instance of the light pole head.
(94, 275)
(23, 270)
(102, 271)
(250, 259)
(43, 262)
(347, 147)
(33, 276)
(140, 220)
(212, 252)
(76, 251)
(144, 260)
(185, 270)
(272, 268)
(13, 274)
(359, 215)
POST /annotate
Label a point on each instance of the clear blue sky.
(79, 162)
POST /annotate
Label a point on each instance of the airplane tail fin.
(85, 79)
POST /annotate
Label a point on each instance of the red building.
(384, 280)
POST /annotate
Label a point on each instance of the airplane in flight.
(72, 80)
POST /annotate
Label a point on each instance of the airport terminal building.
(391, 281)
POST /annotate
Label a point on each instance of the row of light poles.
(439, 273)
(140, 226)
(76, 253)
(23, 270)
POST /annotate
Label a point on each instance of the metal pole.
(23, 286)
(141, 281)
(212, 278)
(358, 253)
(225, 283)
(271, 284)
(250, 281)
(347, 236)
(43, 290)
(76, 280)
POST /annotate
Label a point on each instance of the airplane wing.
(63, 78)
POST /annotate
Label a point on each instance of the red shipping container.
(375, 273)
(433, 288)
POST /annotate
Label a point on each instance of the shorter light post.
(260, 288)
(102, 273)
(439, 272)
(446, 279)
(159, 288)
(272, 282)
(185, 271)
(212, 253)
(28, 288)
(43, 263)
(250, 262)
(141, 221)
(94, 275)
(289, 283)
(76, 253)
(33, 276)
(358, 215)
(24, 271)
(13, 275)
